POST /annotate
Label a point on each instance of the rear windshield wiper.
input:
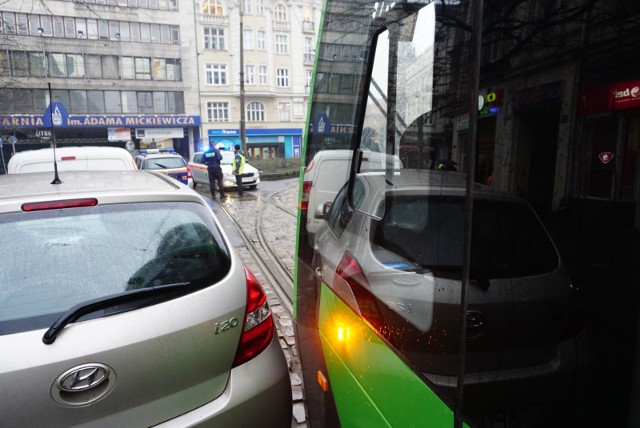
(90, 306)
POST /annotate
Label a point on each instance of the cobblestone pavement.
(278, 226)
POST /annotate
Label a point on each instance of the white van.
(72, 159)
(326, 174)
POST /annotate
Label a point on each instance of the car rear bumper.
(559, 379)
(258, 394)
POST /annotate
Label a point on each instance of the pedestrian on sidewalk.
(238, 167)
(212, 158)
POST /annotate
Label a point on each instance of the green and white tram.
(477, 260)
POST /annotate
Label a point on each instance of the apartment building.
(269, 82)
(156, 73)
(99, 72)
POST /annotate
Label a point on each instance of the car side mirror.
(322, 210)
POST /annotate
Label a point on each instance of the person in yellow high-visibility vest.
(238, 167)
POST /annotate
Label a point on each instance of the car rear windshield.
(58, 258)
(507, 241)
(165, 163)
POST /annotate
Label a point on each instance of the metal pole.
(243, 131)
(44, 53)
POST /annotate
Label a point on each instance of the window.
(218, 111)
(255, 112)
(58, 26)
(75, 65)
(214, 38)
(262, 40)
(93, 68)
(282, 43)
(260, 7)
(155, 33)
(135, 32)
(103, 29)
(145, 102)
(143, 68)
(282, 77)
(280, 13)
(165, 33)
(81, 28)
(160, 102)
(92, 29)
(114, 30)
(38, 64)
(129, 102)
(247, 7)
(284, 110)
(22, 26)
(262, 74)
(109, 66)
(308, 73)
(125, 32)
(249, 74)
(57, 67)
(78, 101)
(95, 102)
(175, 101)
(212, 7)
(158, 69)
(145, 33)
(23, 100)
(174, 71)
(247, 39)
(112, 101)
(216, 74)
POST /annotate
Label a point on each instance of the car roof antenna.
(56, 178)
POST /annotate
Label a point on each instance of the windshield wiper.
(90, 306)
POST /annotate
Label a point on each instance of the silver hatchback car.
(122, 303)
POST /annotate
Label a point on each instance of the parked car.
(165, 161)
(394, 254)
(325, 174)
(123, 303)
(250, 179)
(71, 159)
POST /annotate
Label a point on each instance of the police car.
(165, 161)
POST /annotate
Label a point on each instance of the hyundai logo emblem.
(83, 385)
(84, 377)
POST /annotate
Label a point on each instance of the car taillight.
(54, 205)
(349, 277)
(66, 158)
(258, 327)
(189, 175)
(306, 190)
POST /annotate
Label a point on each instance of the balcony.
(308, 27)
(206, 18)
(281, 25)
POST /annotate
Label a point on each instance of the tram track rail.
(275, 271)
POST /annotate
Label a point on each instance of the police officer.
(238, 167)
(212, 158)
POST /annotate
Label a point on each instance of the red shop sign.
(606, 98)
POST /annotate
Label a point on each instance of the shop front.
(25, 131)
(261, 143)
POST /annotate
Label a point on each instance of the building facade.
(269, 45)
(99, 72)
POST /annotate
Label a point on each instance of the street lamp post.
(84, 70)
(243, 131)
(44, 54)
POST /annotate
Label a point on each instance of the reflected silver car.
(122, 303)
(393, 252)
